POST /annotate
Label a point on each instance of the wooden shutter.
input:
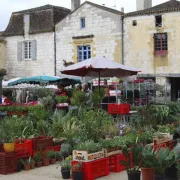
(34, 50)
(19, 51)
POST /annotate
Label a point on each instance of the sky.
(9, 6)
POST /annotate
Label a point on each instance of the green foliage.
(38, 157)
(50, 154)
(47, 102)
(66, 148)
(13, 108)
(165, 128)
(89, 146)
(78, 98)
(62, 99)
(96, 96)
(65, 164)
(41, 92)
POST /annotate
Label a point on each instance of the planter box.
(23, 149)
(107, 154)
(94, 169)
(85, 157)
(8, 163)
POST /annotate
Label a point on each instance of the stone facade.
(44, 63)
(2, 54)
(139, 44)
(102, 33)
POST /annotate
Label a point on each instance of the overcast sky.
(9, 6)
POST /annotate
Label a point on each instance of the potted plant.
(59, 156)
(26, 163)
(32, 165)
(46, 159)
(133, 161)
(77, 173)
(148, 158)
(38, 159)
(8, 142)
(66, 150)
(164, 159)
(51, 155)
(65, 169)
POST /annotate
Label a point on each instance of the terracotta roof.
(101, 7)
(42, 19)
(169, 6)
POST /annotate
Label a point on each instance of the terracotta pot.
(9, 147)
(39, 164)
(27, 166)
(32, 165)
(52, 161)
(45, 162)
(147, 173)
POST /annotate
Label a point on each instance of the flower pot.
(32, 165)
(77, 175)
(171, 173)
(134, 176)
(27, 167)
(39, 164)
(45, 162)
(159, 177)
(9, 147)
(147, 173)
(52, 161)
(65, 174)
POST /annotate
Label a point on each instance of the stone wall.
(139, 44)
(103, 25)
(2, 54)
(44, 64)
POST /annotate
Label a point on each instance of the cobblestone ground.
(51, 173)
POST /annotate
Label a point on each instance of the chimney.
(122, 9)
(143, 4)
(75, 4)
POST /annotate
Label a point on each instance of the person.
(87, 92)
(78, 87)
(61, 91)
(5, 100)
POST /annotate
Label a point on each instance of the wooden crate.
(84, 156)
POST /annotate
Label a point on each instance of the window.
(160, 44)
(158, 20)
(84, 52)
(83, 23)
(27, 50)
(134, 23)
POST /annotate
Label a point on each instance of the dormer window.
(83, 23)
(158, 21)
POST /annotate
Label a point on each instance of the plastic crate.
(94, 169)
(23, 149)
(114, 163)
(42, 142)
(159, 146)
(57, 148)
(118, 108)
(8, 163)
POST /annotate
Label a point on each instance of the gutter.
(54, 51)
(122, 41)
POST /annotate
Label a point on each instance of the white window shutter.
(19, 51)
(34, 50)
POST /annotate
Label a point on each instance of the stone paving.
(52, 173)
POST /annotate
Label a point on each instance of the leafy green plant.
(38, 157)
(66, 148)
(97, 96)
(78, 98)
(50, 154)
(62, 99)
(27, 161)
(65, 165)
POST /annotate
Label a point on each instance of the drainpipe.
(55, 51)
(122, 31)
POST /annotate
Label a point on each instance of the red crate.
(8, 163)
(41, 142)
(23, 148)
(57, 148)
(159, 146)
(94, 169)
(118, 108)
(114, 163)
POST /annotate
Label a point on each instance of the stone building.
(2, 51)
(30, 41)
(152, 43)
(90, 30)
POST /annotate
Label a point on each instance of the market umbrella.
(99, 67)
(42, 79)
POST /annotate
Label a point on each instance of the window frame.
(29, 50)
(162, 49)
(82, 23)
(156, 24)
(85, 52)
